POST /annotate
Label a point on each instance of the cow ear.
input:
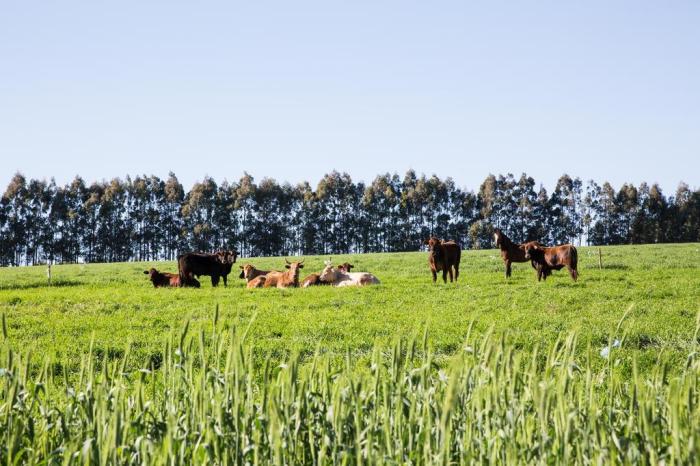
(301, 266)
(240, 267)
(146, 272)
(426, 241)
(286, 266)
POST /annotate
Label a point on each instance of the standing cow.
(555, 258)
(217, 265)
(510, 251)
(445, 256)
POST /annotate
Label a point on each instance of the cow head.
(498, 236)
(226, 257)
(434, 247)
(247, 271)
(294, 268)
(329, 273)
(533, 251)
(345, 267)
(151, 272)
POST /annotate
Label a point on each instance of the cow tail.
(574, 263)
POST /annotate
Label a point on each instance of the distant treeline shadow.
(27, 286)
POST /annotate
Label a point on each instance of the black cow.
(217, 265)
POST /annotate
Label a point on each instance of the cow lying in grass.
(257, 282)
(249, 272)
(288, 279)
(555, 258)
(339, 277)
(315, 278)
(165, 279)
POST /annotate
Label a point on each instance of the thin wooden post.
(600, 259)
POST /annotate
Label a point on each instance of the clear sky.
(608, 90)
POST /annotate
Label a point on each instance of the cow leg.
(508, 269)
(574, 273)
(225, 282)
(214, 280)
(444, 275)
(449, 270)
(434, 276)
(456, 271)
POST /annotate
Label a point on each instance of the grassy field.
(115, 305)
(102, 368)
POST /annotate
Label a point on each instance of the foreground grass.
(492, 403)
(115, 306)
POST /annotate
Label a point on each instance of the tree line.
(148, 218)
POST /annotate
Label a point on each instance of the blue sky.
(292, 90)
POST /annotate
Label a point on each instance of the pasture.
(115, 305)
(484, 339)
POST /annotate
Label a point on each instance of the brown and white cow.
(314, 279)
(555, 258)
(337, 276)
(444, 256)
(165, 279)
(288, 279)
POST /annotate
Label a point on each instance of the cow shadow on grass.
(29, 286)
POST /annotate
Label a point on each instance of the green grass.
(115, 305)
(98, 369)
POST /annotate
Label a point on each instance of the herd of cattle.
(444, 256)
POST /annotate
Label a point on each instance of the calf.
(555, 258)
(445, 256)
(164, 279)
(288, 279)
(249, 272)
(339, 277)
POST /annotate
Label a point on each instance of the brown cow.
(163, 279)
(510, 251)
(445, 256)
(314, 279)
(257, 282)
(555, 258)
(217, 265)
(287, 279)
(249, 272)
